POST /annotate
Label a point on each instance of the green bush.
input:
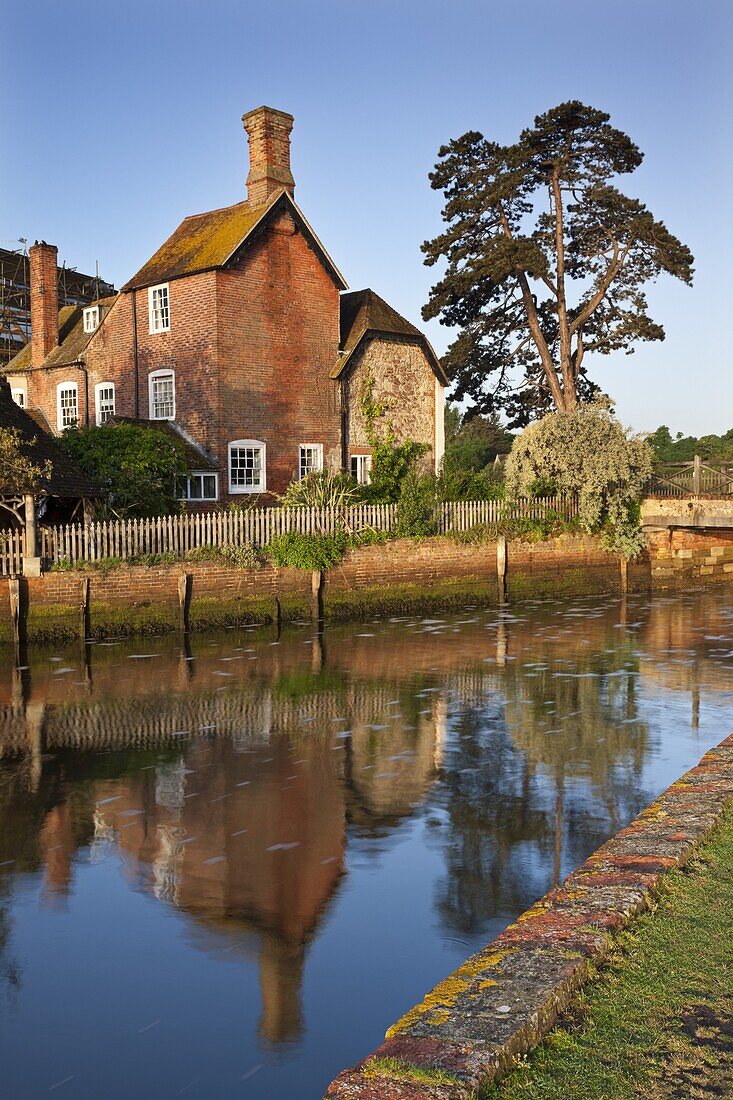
(322, 489)
(308, 551)
(588, 453)
(136, 466)
(418, 514)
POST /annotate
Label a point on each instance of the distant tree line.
(683, 448)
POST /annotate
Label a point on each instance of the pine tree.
(547, 261)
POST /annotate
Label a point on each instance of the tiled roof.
(72, 338)
(363, 315)
(205, 241)
(66, 480)
(195, 457)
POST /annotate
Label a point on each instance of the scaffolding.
(74, 288)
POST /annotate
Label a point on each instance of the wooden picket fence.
(11, 552)
(177, 535)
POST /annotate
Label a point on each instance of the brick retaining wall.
(395, 574)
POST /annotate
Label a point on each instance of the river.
(228, 865)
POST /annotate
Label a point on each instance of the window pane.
(311, 458)
(246, 467)
(182, 488)
(209, 487)
(68, 406)
(163, 397)
(195, 483)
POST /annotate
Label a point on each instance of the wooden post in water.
(14, 594)
(184, 599)
(317, 596)
(624, 575)
(501, 567)
(84, 608)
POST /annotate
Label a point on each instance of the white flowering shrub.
(586, 452)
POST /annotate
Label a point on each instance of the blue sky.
(119, 120)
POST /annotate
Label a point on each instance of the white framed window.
(18, 397)
(310, 459)
(91, 318)
(361, 468)
(162, 395)
(247, 471)
(104, 401)
(67, 405)
(159, 313)
(198, 485)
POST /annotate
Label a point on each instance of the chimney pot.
(44, 300)
(268, 132)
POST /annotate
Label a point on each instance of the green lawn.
(657, 1022)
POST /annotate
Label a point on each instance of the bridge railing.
(692, 479)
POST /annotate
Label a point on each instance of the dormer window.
(91, 318)
(159, 313)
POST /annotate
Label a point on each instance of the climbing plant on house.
(391, 461)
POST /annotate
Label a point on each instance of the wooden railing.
(691, 479)
(177, 535)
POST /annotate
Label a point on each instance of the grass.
(657, 1022)
(404, 1071)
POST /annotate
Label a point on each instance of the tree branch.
(534, 325)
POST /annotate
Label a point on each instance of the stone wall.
(682, 558)
(405, 383)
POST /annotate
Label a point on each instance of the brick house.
(239, 332)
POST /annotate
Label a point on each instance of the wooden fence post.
(696, 476)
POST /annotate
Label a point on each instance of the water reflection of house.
(240, 818)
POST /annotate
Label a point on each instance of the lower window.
(67, 405)
(361, 468)
(197, 486)
(311, 459)
(105, 397)
(247, 472)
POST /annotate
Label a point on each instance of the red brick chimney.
(44, 301)
(268, 132)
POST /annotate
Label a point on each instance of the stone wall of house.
(403, 381)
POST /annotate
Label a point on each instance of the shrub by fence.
(177, 535)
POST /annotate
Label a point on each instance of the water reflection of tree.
(532, 787)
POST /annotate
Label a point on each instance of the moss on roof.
(200, 242)
(363, 315)
(72, 338)
(206, 241)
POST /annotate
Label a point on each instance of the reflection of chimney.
(268, 132)
(44, 301)
(281, 977)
